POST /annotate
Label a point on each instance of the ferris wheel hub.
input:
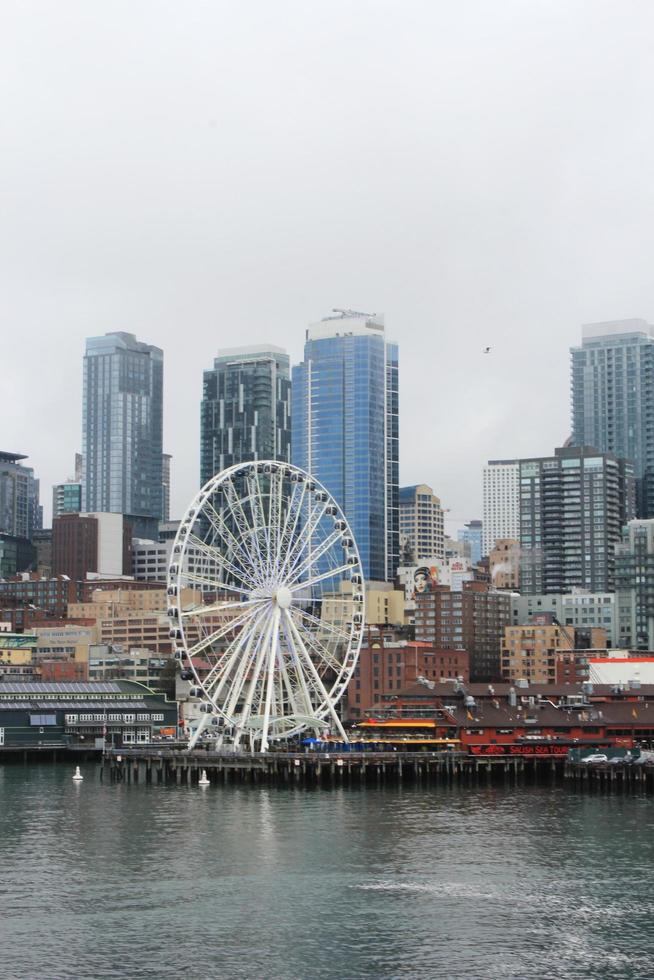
(283, 597)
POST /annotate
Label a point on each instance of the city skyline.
(471, 229)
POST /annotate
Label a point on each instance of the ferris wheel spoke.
(218, 559)
(236, 687)
(221, 672)
(270, 679)
(314, 645)
(275, 515)
(256, 501)
(219, 525)
(218, 607)
(248, 532)
(316, 676)
(323, 625)
(332, 573)
(297, 669)
(221, 632)
(215, 586)
(260, 657)
(296, 572)
(290, 531)
(307, 530)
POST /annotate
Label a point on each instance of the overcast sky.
(211, 174)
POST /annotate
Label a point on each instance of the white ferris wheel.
(265, 599)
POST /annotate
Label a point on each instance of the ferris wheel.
(265, 600)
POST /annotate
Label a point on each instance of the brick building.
(386, 666)
(472, 620)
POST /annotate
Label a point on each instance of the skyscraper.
(123, 430)
(165, 487)
(572, 509)
(67, 496)
(472, 534)
(501, 487)
(246, 409)
(613, 398)
(421, 524)
(345, 429)
(20, 511)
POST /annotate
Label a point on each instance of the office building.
(634, 581)
(471, 620)
(579, 610)
(538, 651)
(572, 508)
(246, 409)
(501, 502)
(613, 398)
(421, 524)
(387, 666)
(345, 429)
(91, 543)
(472, 534)
(165, 487)
(20, 511)
(122, 430)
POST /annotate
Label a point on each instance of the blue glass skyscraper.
(613, 398)
(345, 429)
(122, 431)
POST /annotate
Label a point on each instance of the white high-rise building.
(421, 524)
(501, 490)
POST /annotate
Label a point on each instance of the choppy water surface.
(102, 881)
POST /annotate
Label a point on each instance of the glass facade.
(66, 498)
(123, 428)
(246, 409)
(345, 430)
(20, 511)
(613, 398)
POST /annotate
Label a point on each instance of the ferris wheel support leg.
(316, 678)
(198, 731)
(270, 682)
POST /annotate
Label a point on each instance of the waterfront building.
(472, 620)
(81, 715)
(123, 430)
(387, 665)
(246, 408)
(345, 429)
(421, 524)
(613, 398)
(634, 575)
(501, 502)
(572, 508)
(504, 564)
(85, 543)
(472, 534)
(20, 511)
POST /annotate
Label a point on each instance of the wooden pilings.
(326, 770)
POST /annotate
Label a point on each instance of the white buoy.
(203, 781)
(78, 777)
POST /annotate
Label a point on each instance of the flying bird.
(487, 350)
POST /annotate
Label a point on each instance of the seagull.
(487, 350)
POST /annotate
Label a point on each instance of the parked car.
(596, 757)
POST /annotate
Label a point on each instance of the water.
(115, 881)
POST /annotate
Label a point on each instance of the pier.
(317, 769)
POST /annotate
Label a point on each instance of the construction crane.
(344, 313)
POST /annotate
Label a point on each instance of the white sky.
(205, 174)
